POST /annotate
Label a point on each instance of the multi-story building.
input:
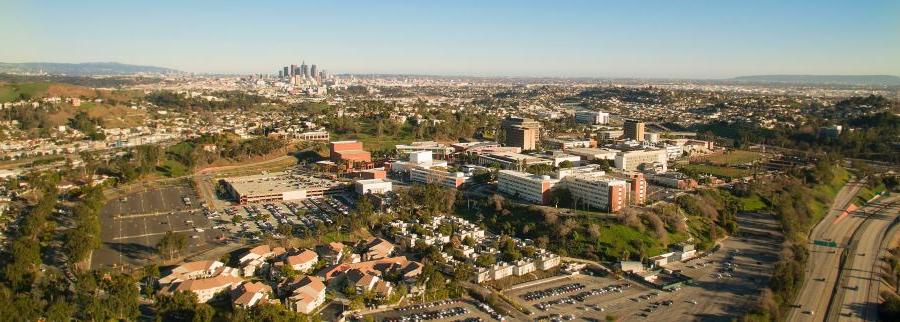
(314, 136)
(522, 132)
(566, 143)
(438, 176)
(350, 152)
(597, 190)
(589, 154)
(638, 159)
(438, 151)
(511, 161)
(591, 117)
(634, 130)
(637, 186)
(529, 187)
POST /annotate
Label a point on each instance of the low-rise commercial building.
(376, 186)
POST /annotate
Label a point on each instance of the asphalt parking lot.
(450, 310)
(260, 219)
(577, 296)
(134, 224)
(725, 284)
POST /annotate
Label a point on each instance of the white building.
(376, 186)
(634, 160)
(591, 117)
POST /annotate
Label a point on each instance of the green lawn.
(718, 171)
(735, 157)
(614, 240)
(752, 203)
(12, 92)
(171, 169)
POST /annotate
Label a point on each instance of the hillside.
(83, 69)
(10, 92)
(882, 80)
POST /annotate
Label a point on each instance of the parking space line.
(151, 234)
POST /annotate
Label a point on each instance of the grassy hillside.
(10, 92)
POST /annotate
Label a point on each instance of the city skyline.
(699, 40)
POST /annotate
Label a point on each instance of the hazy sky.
(680, 39)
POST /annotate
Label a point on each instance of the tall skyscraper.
(313, 71)
(634, 130)
(521, 132)
(286, 72)
(293, 70)
(304, 70)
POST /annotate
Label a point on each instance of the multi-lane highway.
(857, 295)
(823, 264)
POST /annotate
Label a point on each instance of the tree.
(183, 306)
(171, 244)
(565, 164)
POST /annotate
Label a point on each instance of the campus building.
(642, 159)
(634, 130)
(597, 190)
(522, 132)
(280, 186)
(525, 186)
(591, 117)
(351, 153)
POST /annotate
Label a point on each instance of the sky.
(639, 39)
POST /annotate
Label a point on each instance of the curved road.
(823, 264)
(858, 296)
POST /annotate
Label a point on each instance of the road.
(859, 287)
(823, 264)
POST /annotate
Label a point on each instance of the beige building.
(597, 190)
(526, 186)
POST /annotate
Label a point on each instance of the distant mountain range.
(885, 80)
(83, 69)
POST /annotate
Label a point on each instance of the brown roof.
(304, 257)
(194, 266)
(260, 250)
(208, 283)
(379, 264)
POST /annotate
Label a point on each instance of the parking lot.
(133, 224)
(575, 297)
(449, 310)
(256, 220)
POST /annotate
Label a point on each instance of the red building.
(352, 153)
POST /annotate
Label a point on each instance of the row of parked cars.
(537, 295)
(432, 315)
(424, 305)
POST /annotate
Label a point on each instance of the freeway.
(822, 267)
(858, 295)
